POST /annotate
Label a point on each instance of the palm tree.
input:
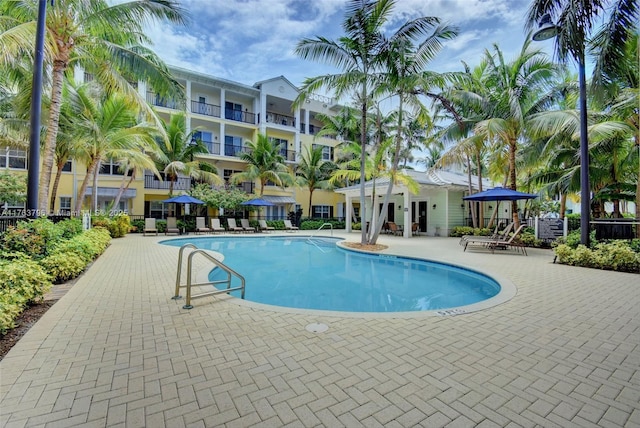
(264, 163)
(313, 172)
(104, 39)
(518, 90)
(176, 154)
(105, 127)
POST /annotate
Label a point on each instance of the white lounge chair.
(201, 226)
(246, 227)
(289, 226)
(232, 226)
(264, 226)
(215, 225)
(149, 226)
(172, 226)
(500, 243)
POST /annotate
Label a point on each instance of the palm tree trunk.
(563, 205)
(54, 189)
(85, 183)
(123, 186)
(481, 204)
(310, 198)
(512, 178)
(94, 193)
(474, 220)
(59, 66)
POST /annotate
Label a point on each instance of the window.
(207, 138)
(202, 106)
(109, 167)
(282, 143)
(322, 211)
(327, 152)
(158, 210)
(67, 166)
(13, 158)
(228, 173)
(232, 145)
(233, 111)
(65, 203)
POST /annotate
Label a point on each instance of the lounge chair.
(232, 227)
(499, 242)
(215, 225)
(172, 226)
(246, 227)
(415, 229)
(289, 226)
(201, 226)
(394, 228)
(149, 226)
(264, 226)
(496, 235)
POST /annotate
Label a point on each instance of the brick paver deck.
(117, 351)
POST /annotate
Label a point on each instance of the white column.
(347, 213)
(263, 113)
(407, 215)
(223, 96)
(188, 107)
(446, 214)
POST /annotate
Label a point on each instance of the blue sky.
(252, 40)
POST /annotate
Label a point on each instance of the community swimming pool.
(304, 273)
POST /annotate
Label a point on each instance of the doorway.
(420, 215)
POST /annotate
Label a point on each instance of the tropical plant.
(313, 172)
(265, 163)
(105, 39)
(176, 155)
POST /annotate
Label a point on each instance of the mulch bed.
(365, 247)
(24, 322)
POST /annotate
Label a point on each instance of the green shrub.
(9, 311)
(70, 227)
(529, 239)
(315, 224)
(88, 245)
(137, 226)
(63, 266)
(468, 230)
(356, 226)
(616, 255)
(37, 238)
(118, 226)
(25, 279)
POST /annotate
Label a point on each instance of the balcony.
(156, 100)
(240, 116)
(152, 182)
(313, 129)
(231, 150)
(213, 148)
(245, 186)
(205, 109)
(281, 119)
(289, 155)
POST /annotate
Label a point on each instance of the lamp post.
(546, 30)
(33, 175)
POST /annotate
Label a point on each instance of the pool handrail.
(230, 272)
(320, 228)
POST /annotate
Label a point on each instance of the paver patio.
(117, 351)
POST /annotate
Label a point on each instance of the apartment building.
(225, 115)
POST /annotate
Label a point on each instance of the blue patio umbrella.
(499, 194)
(258, 202)
(183, 199)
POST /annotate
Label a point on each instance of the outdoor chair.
(201, 226)
(264, 226)
(246, 227)
(415, 229)
(496, 235)
(288, 226)
(394, 228)
(172, 226)
(499, 242)
(232, 226)
(215, 225)
(149, 226)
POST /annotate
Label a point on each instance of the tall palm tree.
(177, 155)
(105, 39)
(313, 172)
(106, 128)
(518, 90)
(264, 163)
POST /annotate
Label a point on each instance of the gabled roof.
(275, 79)
(431, 178)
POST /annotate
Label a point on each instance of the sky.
(248, 41)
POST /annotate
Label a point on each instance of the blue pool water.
(296, 273)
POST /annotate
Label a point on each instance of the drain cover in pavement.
(317, 327)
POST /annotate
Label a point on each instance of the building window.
(327, 152)
(233, 111)
(65, 203)
(158, 210)
(13, 158)
(322, 211)
(232, 145)
(109, 167)
(67, 166)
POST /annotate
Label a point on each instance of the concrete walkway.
(117, 351)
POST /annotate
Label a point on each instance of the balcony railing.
(240, 116)
(230, 150)
(281, 119)
(245, 186)
(289, 155)
(157, 100)
(213, 148)
(152, 182)
(205, 109)
(313, 129)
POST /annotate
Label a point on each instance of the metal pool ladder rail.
(230, 272)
